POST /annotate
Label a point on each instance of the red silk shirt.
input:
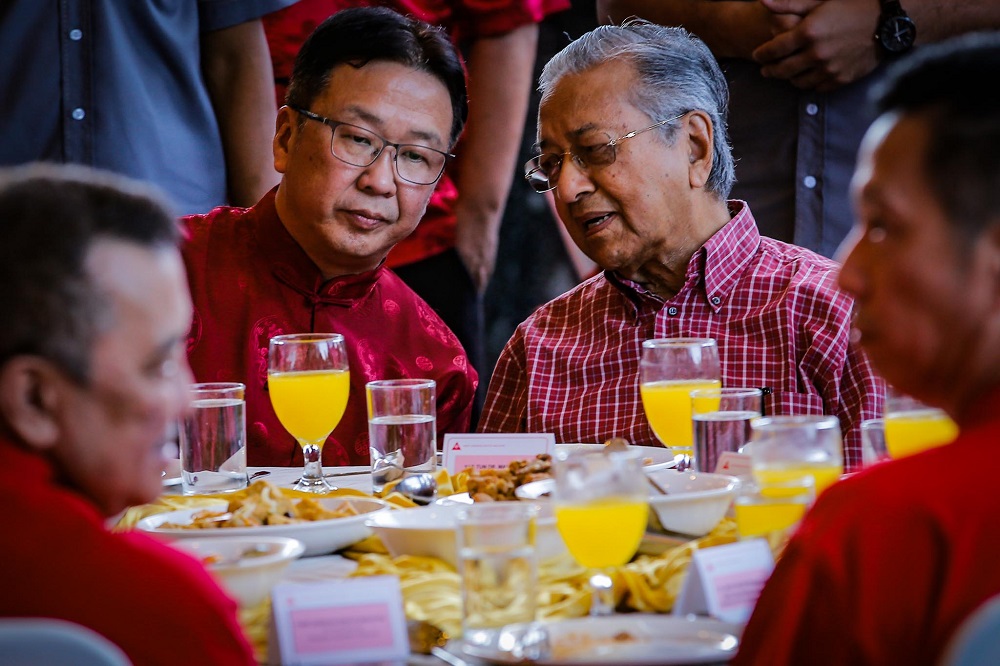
(160, 606)
(251, 281)
(889, 562)
(572, 367)
(465, 21)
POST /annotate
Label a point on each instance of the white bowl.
(657, 456)
(548, 541)
(695, 502)
(430, 531)
(318, 536)
(247, 567)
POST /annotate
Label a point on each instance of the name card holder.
(350, 621)
(725, 581)
(493, 451)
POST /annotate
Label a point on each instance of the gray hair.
(677, 74)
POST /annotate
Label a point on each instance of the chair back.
(977, 640)
(36, 641)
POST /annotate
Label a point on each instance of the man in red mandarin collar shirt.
(375, 105)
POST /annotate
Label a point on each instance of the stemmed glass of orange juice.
(601, 512)
(669, 369)
(912, 427)
(309, 382)
(785, 448)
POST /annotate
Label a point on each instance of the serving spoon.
(420, 488)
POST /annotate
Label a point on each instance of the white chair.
(34, 641)
(977, 640)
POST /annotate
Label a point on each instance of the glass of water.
(213, 439)
(721, 418)
(402, 424)
(498, 566)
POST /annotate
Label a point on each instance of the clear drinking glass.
(912, 427)
(309, 382)
(402, 428)
(784, 448)
(669, 369)
(601, 512)
(213, 439)
(722, 419)
(497, 564)
(873, 449)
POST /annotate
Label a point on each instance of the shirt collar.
(291, 266)
(718, 264)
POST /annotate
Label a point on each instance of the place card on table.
(733, 464)
(725, 581)
(493, 451)
(348, 621)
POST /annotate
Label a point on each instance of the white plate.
(172, 472)
(656, 640)
(319, 536)
(659, 457)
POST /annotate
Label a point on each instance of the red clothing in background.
(572, 367)
(464, 20)
(889, 562)
(251, 281)
(157, 604)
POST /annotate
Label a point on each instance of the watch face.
(896, 34)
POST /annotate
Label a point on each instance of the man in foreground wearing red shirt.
(888, 564)
(632, 136)
(375, 105)
(92, 379)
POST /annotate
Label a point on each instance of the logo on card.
(457, 447)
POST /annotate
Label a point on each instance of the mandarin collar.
(291, 266)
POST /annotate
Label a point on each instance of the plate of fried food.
(504, 484)
(322, 524)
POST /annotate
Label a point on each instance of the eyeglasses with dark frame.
(543, 171)
(360, 147)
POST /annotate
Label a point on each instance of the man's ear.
(284, 128)
(700, 134)
(29, 400)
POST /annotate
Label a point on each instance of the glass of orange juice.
(669, 369)
(761, 510)
(783, 448)
(309, 383)
(601, 513)
(912, 427)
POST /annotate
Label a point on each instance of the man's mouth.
(595, 222)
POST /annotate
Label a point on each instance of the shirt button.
(812, 109)
(809, 182)
(79, 114)
(716, 300)
(76, 34)
(672, 311)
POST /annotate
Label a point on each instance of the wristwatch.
(895, 32)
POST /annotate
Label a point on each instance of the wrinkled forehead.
(597, 99)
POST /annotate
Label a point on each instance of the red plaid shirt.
(572, 367)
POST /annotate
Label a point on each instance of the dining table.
(357, 479)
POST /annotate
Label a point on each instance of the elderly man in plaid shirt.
(632, 142)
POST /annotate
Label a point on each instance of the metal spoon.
(420, 488)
